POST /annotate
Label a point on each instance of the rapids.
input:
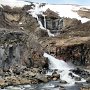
(63, 69)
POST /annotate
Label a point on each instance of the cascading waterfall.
(44, 21)
(56, 63)
(41, 26)
(63, 68)
(35, 12)
(48, 31)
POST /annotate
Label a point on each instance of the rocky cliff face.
(19, 40)
(24, 37)
(16, 18)
(23, 41)
(13, 49)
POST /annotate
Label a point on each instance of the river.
(52, 85)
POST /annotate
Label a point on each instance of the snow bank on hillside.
(65, 11)
(13, 3)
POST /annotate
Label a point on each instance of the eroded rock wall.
(30, 51)
(69, 50)
(13, 49)
(21, 37)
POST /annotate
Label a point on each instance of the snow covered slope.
(69, 11)
(13, 3)
(63, 10)
(66, 11)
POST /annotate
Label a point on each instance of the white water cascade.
(63, 69)
(56, 63)
(37, 11)
(44, 21)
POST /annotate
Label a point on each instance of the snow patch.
(13, 3)
(68, 11)
(64, 10)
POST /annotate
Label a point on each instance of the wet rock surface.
(82, 73)
(55, 76)
(88, 80)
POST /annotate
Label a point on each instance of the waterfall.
(63, 69)
(37, 11)
(44, 21)
(48, 31)
(44, 28)
(56, 63)
(41, 26)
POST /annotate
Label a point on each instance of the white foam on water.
(14, 88)
(27, 86)
(56, 63)
(63, 69)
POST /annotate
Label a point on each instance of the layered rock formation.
(23, 42)
(68, 30)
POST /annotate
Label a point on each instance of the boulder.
(63, 82)
(51, 14)
(55, 76)
(88, 80)
(77, 78)
(2, 82)
(54, 79)
(42, 78)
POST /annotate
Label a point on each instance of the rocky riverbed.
(35, 76)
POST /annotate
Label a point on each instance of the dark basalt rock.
(88, 80)
(63, 82)
(13, 49)
(81, 73)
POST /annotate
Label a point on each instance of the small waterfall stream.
(44, 21)
(56, 63)
(45, 27)
(37, 11)
(63, 69)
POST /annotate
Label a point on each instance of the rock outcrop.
(13, 48)
(23, 42)
(84, 12)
